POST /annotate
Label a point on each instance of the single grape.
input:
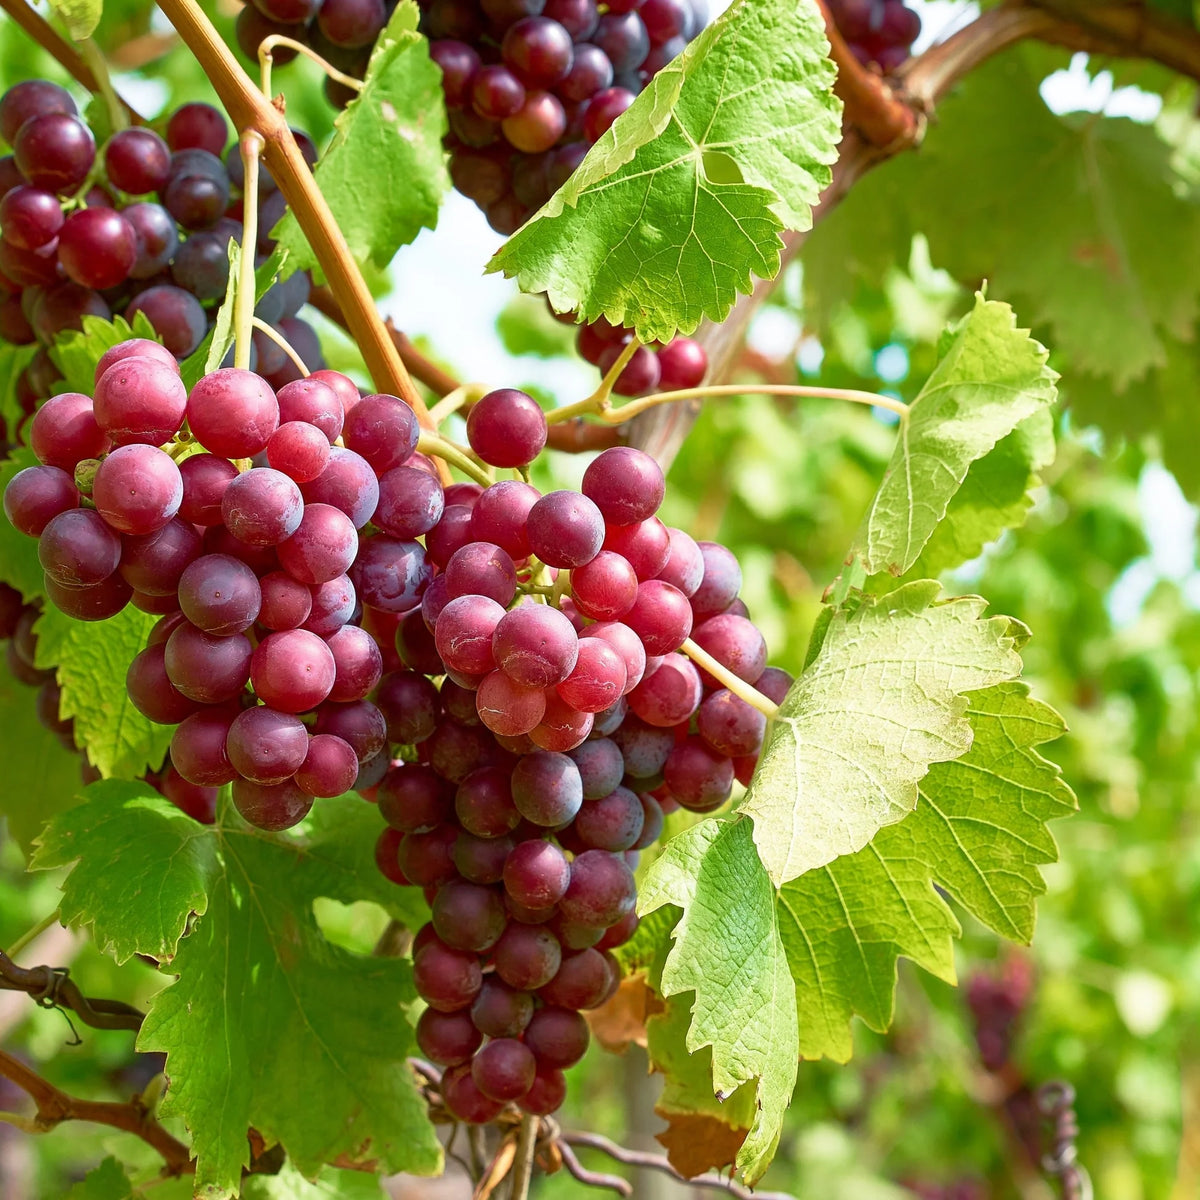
(484, 804)
(78, 549)
(198, 747)
(627, 644)
(582, 982)
(496, 92)
(262, 507)
(30, 217)
(197, 125)
(535, 645)
(201, 265)
(97, 247)
(527, 956)
(313, 401)
(500, 1011)
(151, 691)
(383, 430)
(413, 799)
(547, 788)
(232, 412)
(623, 37)
(205, 478)
(533, 129)
(684, 568)
(299, 450)
(604, 108)
(137, 489)
(36, 495)
(357, 661)
(410, 706)
(446, 979)
(669, 695)
(507, 428)
(536, 874)
(359, 723)
(538, 50)
(272, 807)
(266, 746)
(646, 546)
(481, 569)
(207, 668)
(721, 582)
(730, 726)
(546, 1094)
(54, 151)
(220, 595)
(410, 502)
(96, 602)
(177, 317)
(448, 1039)
(155, 237)
(468, 916)
(563, 727)
(351, 23)
(591, 72)
(333, 604)
(601, 890)
(137, 161)
(293, 670)
(465, 632)
(565, 529)
(613, 822)
(699, 778)
(458, 63)
(286, 602)
(32, 98)
(480, 860)
(415, 645)
(322, 546)
(200, 803)
(347, 483)
(627, 485)
(140, 399)
(154, 563)
(597, 680)
(682, 363)
(504, 1069)
(460, 1093)
(425, 857)
(735, 643)
(329, 768)
(507, 708)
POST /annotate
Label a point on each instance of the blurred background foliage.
(1104, 571)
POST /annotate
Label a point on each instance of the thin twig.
(250, 146)
(269, 331)
(614, 1183)
(55, 1106)
(656, 1162)
(36, 931)
(734, 683)
(522, 1170)
(437, 447)
(266, 60)
(52, 987)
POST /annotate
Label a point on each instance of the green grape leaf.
(993, 497)
(703, 1133)
(990, 377)
(92, 658)
(168, 862)
(683, 199)
(384, 172)
(778, 974)
(878, 704)
(108, 1181)
(19, 565)
(265, 1014)
(76, 352)
(41, 776)
(79, 16)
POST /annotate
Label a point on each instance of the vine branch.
(55, 1106)
(52, 987)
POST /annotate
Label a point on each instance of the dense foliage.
(363, 733)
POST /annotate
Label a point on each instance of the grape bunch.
(566, 725)
(680, 363)
(141, 224)
(499, 670)
(879, 32)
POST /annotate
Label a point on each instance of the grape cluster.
(680, 363)
(499, 670)
(141, 224)
(567, 724)
(997, 1002)
(879, 32)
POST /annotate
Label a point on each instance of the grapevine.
(315, 620)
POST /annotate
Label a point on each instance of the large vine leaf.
(91, 659)
(991, 376)
(879, 703)
(168, 862)
(384, 172)
(683, 199)
(778, 974)
(268, 1024)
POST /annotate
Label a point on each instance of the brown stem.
(62, 51)
(656, 1162)
(54, 988)
(55, 1106)
(249, 109)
